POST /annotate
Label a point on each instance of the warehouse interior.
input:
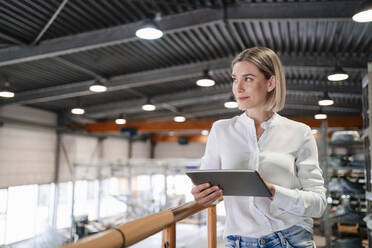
(99, 125)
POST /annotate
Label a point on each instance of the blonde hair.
(269, 64)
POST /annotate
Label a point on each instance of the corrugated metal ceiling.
(309, 48)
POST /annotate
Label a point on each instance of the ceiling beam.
(50, 22)
(159, 76)
(173, 23)
(174, 138)
(121, 82)
(160, 126)
(198, 96)
(149, 126)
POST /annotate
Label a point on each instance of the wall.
(87, 153)
(141, 149)
(28, 146)
(174, 150)
(26, 150)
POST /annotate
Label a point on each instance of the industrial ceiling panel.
(52, 51)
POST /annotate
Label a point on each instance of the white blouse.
(285, 156)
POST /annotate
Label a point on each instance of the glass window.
(158, 189)
(64, 205)
(143, 183)
(3, 200)
(3, 209)
(86, 199)
(22, 210)
(44, 207)
(111, 203)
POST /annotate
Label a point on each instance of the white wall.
(141, 149)
(26, 151)
(78, 150)
(28, 146)
(174, 150)
(88, 153)
(115, 150)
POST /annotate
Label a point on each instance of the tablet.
(232, 182)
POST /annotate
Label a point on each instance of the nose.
(239, 86)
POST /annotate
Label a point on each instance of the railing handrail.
(137, 230)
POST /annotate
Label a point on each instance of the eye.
(248, 79)
(233, 80)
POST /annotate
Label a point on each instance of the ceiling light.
(97, 87)
(320, 116)
(206, 80)
(149, 31)
(204, 132)
(77, 111)
(326, 100)
(148, 107)
(120, 121)
(179, 119)
(364, 13)
(231, 103)
(338, 74)
(6, 92)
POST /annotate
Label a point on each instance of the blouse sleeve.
(310, 199)
(211, 158)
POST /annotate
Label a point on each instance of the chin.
(244, 107)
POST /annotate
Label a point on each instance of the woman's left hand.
(271, 187)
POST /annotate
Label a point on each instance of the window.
(45, 203)
(86, 199)
(111, 204)
(3, 210)
(22, 209)
(64, 205)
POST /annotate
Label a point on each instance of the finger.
(203, 186)
(211, 198)
(199, 188)
(201, 195)
(208, 191)
(194, 190)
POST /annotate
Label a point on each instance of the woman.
(283, 151)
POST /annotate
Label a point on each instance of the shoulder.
(224, 123)
(295, 126)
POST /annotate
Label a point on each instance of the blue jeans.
(293, 237)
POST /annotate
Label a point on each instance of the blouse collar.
(266, 124)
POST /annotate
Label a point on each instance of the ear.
(271, 83)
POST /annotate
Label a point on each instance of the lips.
(242, 98)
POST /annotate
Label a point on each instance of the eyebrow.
(248, 74)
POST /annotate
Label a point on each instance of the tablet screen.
(232, 182)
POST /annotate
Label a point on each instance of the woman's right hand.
(205, 195)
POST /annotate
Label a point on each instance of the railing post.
(212, 226)
(169, 237)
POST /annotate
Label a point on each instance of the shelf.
(345, 220)
(334, 194)
(346, 172)
(346, 144)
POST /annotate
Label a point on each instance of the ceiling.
(51, 51)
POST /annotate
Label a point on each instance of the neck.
(259, 115)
